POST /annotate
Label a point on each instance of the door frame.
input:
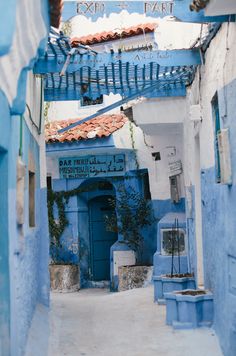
(91, 254)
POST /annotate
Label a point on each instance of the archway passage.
(101, 240)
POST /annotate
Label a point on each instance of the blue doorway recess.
(101, 240)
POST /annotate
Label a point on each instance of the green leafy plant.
(57, 202)
(57, 218)
(66, 28)
(132, 214)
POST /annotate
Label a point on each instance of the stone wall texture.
(64, 278)
(131, 277)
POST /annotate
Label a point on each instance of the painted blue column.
(4, 242)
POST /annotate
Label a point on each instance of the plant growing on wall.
(134, 213)
(46, 109)
(57, 202)
(57, 215)
(66, 28)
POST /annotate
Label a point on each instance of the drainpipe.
(21, 136)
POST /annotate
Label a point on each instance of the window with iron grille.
(86, 101)
(172, 240)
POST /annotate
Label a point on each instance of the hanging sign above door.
(92, 166)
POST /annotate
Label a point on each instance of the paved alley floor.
(94, 322)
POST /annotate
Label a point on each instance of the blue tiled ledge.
(164, 284)
(189, 312)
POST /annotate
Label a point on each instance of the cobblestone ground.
(94, 322)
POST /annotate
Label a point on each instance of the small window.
(31, 199)
(86, 101)
(175, 188)
(216, 121)
(172, 240)
(49, 182)
(146, 187)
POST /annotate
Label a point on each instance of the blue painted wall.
(161, 208)
(25, 251)
(7, 25)
(75, 239)
(28, 246)
(219, 226)
(162, 263)
(5, 126)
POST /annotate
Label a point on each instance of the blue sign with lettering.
(91, 166)
(180, 9)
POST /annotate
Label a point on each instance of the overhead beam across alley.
(168, 58)
(180, 9)
(71, 94)
(138, 94)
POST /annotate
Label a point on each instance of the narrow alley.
(95, 322)
(117, 178)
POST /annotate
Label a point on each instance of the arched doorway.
(101, 240)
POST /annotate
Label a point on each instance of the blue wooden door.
(101, 239)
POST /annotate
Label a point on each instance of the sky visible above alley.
(169, 34)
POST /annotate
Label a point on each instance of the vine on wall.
(131, 130)
(46, 109)
(59, 200)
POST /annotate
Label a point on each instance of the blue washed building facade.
(80, 238)
(24, 229)
(204, 124)
(210, 180)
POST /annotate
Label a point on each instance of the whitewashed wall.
(211, 79)
(63, 110)
(167, 142)
(161, 122)
(34, 99)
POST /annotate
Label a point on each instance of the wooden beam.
(168, 58)
(71, 94)
(147, 91)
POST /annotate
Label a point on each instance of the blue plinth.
(189, 312)
(163, 284)
(162, 261)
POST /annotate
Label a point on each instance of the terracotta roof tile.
(102, 126)
(113, 35)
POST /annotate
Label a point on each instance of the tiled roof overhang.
(141, 29)
(102, 126)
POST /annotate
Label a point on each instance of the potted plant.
(189, 309)
(64, 274)
(175, 280)
(131, 214)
